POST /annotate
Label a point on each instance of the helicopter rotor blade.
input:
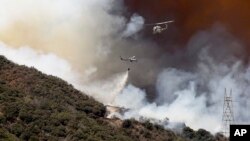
(160, 23)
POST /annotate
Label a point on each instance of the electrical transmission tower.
(228, 115)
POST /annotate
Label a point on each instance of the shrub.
(11, 111)
(26, 116)
(59, 131)
(148, 125)
(203, 135)
(34, 138)
(159, 127)
(3, 134)
(126, 123)
(26, 135)
(2, 119)
(188, 133)
(17, 129)
(147, 134)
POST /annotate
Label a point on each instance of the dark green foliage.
(3, 134)
(220, 137)
(59, 131)
(2, 119)
(127, 123)
(11, 111)
(26, 135)
(148, 125)
(17, 129)
(201, 135)
(159, 127)
(26, 116)
(188, 133)
(34, 138)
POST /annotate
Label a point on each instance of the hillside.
(35, 106)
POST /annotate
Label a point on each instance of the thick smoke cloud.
(76, 30)
(193, 16)
(86, 33)
(81, 41)
(194, 95)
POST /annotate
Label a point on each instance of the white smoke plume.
(46, 62)
(135, 24)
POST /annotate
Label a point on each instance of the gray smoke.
(194, 95)
(135, 24)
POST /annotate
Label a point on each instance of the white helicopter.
(130, 59)
(158, 28)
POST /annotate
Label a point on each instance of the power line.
(228, 114)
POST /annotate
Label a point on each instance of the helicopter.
(158, 28)
(130, 59)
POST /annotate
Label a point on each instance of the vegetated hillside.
(35, 106)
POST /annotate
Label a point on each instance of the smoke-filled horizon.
(82, 41)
